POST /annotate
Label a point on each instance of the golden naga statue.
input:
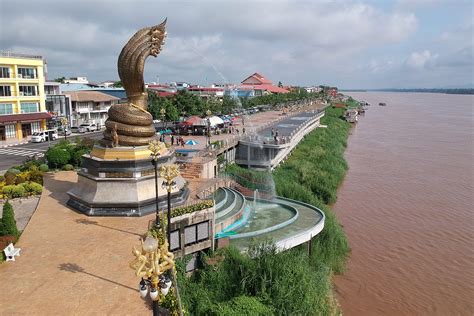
(130, 122)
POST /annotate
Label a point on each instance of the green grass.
(286, 283)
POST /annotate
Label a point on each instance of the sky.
(350, 44)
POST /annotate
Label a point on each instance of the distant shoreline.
(446, 91)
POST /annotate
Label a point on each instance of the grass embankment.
(286, 283)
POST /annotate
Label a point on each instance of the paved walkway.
(23, 209)
(71, 264)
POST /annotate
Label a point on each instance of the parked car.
(88, 127)
(78, 129)
(64, 131)
(43, 136)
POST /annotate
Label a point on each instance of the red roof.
(165, 94)
(266, 87)
(24, 117)
(261, 79)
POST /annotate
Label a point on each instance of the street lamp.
(155, 148)
(163, 113)
(153, 263)
(208, 113)
(64, 125)
(169, 173)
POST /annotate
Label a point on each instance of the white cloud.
(421, 60)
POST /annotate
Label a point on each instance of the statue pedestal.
(120, 181)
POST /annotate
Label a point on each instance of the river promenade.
(78, 265)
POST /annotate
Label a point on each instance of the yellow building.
(22, 99)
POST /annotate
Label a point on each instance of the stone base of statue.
(120, 181)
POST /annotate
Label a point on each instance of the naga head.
(158, 36)
(131, 62)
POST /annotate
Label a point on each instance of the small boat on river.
(382, 104)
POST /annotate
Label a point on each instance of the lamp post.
(64, 125)
(169, 173)
(163, 113)
(153, 263)
(155, 148)
(208, 114)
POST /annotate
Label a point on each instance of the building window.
(6, 108)
(28, 90)
(27, 73)
(174, 240)
(5, 91)
(4, 72)
(29, 107)
(10, 131)
(35, 127)
(196, 233)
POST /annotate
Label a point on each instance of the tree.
(60, 79)
(280, 84)
(117, 84)
(8, 221)
(228, 105)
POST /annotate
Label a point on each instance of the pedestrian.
(182, 142)
(243, 130)
(273, 132)
(172, 140)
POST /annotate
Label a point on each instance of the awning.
(215, 120)
(26, 118)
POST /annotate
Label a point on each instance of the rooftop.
(95, 96)
(18, 55)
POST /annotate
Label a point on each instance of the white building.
(77, 80)
(90, 106)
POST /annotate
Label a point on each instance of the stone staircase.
(191, 170)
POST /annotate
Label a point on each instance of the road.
(15, 155)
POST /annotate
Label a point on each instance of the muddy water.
(407, 207)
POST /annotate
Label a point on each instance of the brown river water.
(406, 205)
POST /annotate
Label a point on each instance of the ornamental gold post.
(169, 173)
(154, 264)
(155, 148)
(163, 114)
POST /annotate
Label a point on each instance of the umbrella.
(191, 142)
(215, 120)
(195, 120)
(167, 131)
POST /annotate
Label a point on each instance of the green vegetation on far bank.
(287, 283)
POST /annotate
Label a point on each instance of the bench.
(10, 252)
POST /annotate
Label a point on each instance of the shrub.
(14, 171)
(8, 220)
(36, 175)
(44, 167)
(76, 157)
(9, 178)
(57, 157)
(22, 177)
(68, 167)
(32, 188)
(14, 191)
(31, 163)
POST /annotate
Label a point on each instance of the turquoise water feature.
(244, 220)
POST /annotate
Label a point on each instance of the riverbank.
(289, 282)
